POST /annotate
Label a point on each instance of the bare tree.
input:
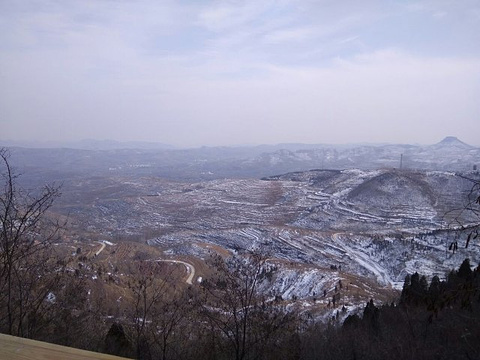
(27, 281)
(147, 292)
(473, 206)
(76, 318)
(172, 325)
(248, 321)
(466, 219)
(158, 322)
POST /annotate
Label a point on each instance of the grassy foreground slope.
(15, 348)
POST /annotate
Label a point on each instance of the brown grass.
(15, 348)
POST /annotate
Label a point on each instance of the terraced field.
(368, 228)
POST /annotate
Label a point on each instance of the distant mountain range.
(449, 154)
(207, 163)
(95, 144)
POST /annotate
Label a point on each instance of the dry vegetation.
(15, 348)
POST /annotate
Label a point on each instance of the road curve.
(101, 249)
(190, 269)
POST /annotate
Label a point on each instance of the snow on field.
(298, 283)
(107, 242)
(370, 264)
(377, 225)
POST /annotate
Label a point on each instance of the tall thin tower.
(401, 161)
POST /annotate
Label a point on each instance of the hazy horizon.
(103, 144)
(233, 73)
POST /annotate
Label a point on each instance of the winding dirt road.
(190, 269)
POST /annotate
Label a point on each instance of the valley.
(360, 218)
(365, 228)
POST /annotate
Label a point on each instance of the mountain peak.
(453, 141)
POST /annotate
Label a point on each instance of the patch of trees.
(225, 317)
(439, 320)
(244, 323)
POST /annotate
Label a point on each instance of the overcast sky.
(192, 73)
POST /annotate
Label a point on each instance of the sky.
(193, 73)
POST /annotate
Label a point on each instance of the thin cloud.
(288, 35)
(349, 39)
(206, 73)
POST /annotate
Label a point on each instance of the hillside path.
(190, 269)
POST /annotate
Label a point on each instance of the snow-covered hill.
(365, 228)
